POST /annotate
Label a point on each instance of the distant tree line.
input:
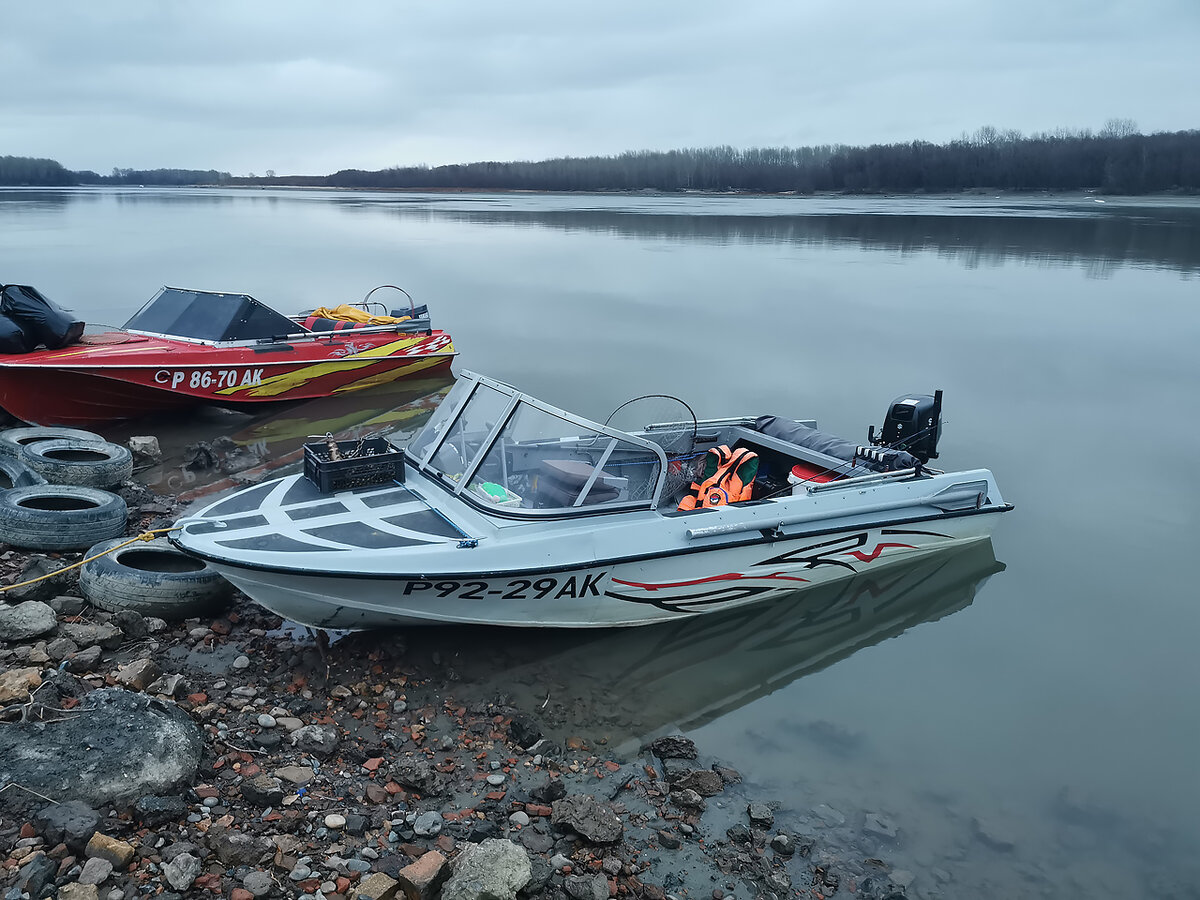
(26, 171)
(21, 170)
(1117, 159)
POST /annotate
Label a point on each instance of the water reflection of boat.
(629, 683)
(274, 440)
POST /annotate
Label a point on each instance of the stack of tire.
(54, 496)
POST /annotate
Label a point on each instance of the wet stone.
(738, 834)
(992, 835)
(298, 775)
(586, 887)
(258, 883)
(72, 823)
(67, 606)
(783, 844)
(428, 824)
(535, 842)
(117, 852)
(182, 871)
(96, 871)
(669, 841)
(85, 660)
(315, 739)
(132, 624)
(137, 675)
(590, 818)
(829, 815)
(26, 620)
(880, 825)
(36, 874)
(673, 747)
(552, 790)
(60, 648)
(18, 684)
(154, 811)
(761, 815)
(704, 782)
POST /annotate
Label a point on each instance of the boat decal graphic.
(350, 348)
(859, 546)
(729, 576)
(874, 554)
(696, 602)
(391, 375)
(275, 385)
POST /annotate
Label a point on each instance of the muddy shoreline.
(337, 770)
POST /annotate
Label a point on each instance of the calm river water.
(1050, 705)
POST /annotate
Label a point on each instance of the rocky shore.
(240, 758)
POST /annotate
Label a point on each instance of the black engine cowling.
(914, 423)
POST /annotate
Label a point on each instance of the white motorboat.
(505, 510)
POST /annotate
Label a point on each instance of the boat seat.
(319, 323)
(559, 482)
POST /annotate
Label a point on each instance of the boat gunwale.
(764, 538)
(85, 367)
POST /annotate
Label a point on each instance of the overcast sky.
(299, 86)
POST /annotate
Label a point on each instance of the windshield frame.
(176, 303)
(516, 399)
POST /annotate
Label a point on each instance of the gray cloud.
(311, 87)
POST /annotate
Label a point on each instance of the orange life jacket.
(728, 478)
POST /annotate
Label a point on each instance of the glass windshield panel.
(541, 461)
(469, 432)
(209, 316)
(419, 445)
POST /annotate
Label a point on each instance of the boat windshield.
(209, 316)
(505, 450)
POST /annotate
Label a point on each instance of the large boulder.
(494, 870)
(118, 746)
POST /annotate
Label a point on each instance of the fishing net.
(670, 423)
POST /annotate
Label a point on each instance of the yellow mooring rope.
(144, 536)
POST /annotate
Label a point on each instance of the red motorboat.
(188, 347)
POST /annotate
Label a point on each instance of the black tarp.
(832, 445)
(39, 316)
(14, 338)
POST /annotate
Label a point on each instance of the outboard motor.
(913, 423)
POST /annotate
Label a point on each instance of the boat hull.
(622, 593)
(79, 388)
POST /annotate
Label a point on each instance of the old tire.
(95, 463)
(14, 474)
(13, 439)
(153, 578)
(59, 517)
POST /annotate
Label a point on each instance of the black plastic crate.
(364, 463)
